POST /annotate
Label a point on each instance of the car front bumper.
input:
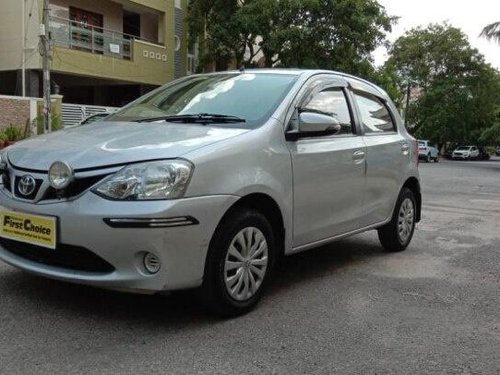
(181, 249)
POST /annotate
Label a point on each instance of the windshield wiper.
(196, 118)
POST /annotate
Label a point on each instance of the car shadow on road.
(177, 309)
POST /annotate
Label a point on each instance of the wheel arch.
(268, 207)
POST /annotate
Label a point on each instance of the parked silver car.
(205, 182)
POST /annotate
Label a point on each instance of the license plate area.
(28, 228)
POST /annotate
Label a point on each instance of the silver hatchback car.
(205, 182)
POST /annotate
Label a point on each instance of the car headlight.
(164, 179)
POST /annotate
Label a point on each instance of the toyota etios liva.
(205, 182)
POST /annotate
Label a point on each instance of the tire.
(436, 159)
(428, 158)
(233, 283)
(396, 236)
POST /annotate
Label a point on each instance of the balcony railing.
(77, 35)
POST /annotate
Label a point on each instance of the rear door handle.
(358, 156)
(405, 147)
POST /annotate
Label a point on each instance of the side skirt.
(314, 244)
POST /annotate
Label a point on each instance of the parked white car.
(465, 153)
(207, 181)
(427, 151)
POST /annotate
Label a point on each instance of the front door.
(328, 173)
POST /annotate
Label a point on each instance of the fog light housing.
(152, 263)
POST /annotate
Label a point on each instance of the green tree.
(459, 92)
(492, 31)
(211, 22)
(328, 34)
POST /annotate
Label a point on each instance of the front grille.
(64, 256)
(6, 181)
(17, 193)
(78, 186)
(75, 188)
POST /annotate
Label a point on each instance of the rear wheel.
(428, 158)
(239, 263)
(397, 234)
(436, 159)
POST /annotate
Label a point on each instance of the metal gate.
(73, 114)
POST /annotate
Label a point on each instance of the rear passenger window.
(375, 116)
(333, 102)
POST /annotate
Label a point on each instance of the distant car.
(497, 151)
(465, 153)
(94, 118)
(427, 151)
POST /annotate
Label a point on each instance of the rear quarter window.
(375, 116)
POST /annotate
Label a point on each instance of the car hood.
(113, 143)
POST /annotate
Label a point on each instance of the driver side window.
(331, 101)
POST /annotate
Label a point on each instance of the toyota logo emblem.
(26, 185)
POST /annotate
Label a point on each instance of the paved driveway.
(346, 308)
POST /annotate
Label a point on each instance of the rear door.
(386, 155)
(328, 170)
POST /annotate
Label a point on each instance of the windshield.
(247, 96)
(463, 148)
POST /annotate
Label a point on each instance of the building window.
(86, 30)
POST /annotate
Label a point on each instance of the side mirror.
(312, 122)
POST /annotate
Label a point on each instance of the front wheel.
(239, 263)
(397, 234)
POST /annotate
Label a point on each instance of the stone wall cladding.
(14, 112)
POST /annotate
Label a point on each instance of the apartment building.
(104, 52)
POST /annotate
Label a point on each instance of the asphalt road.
(346, 308)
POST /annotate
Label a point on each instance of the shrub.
(56, 123)
(13, 133)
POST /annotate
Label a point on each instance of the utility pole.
(45, 40)
(23, 44)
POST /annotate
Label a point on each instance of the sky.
(470, 16)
